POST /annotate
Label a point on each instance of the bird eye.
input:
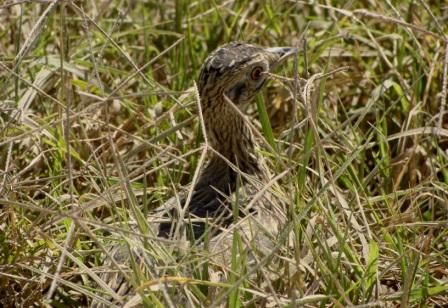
(256, 73)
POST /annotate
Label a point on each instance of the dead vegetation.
(99, 126)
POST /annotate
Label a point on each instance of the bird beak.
(281, 53)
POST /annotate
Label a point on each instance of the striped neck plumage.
(236, 71)
(229, 134)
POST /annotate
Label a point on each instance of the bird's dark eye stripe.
(235, 93)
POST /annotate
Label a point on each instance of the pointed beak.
(281, 54)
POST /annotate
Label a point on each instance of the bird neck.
(229, 135)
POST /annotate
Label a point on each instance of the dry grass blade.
(106, 134)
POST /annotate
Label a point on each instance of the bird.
(229, 79)
(232, 74)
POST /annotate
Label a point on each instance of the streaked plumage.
(236, 70)
(232, 74)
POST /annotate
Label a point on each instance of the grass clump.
(99, 126)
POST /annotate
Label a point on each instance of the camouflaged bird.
(232, 74)
(230, 78)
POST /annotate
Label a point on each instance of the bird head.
(239, 70)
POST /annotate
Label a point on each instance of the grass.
(99, 126)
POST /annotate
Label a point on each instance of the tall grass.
(99, 126)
